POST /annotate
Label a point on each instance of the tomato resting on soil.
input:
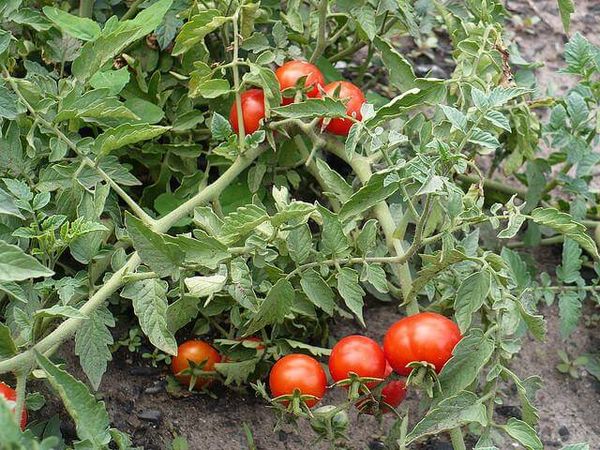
(358, 354)
(291, 72)
(253, 111)
(298, 371)
(345, 90)
(426, 336)
(10, 396)
(200, 354)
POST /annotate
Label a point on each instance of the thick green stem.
(132, 10)
(21, 392)
(236, 83)
(458, 442)
(86, 8)
(362, 168)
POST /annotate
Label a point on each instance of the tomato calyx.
(423, 376)
(357, 385)
(330, 422)
(196, 372)
(295, 403)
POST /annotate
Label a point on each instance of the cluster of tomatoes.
(427, 338)
(296, 80)
(356, 362)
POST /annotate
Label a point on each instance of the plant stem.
(86, 8)
(321, 41)
(494, 185)
(21, 390)
(132, 10)
(236, 83)
(458, 442)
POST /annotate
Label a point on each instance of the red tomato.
(297, 371)
(358, 354)
(11, 397)
(425, 336)
(356, 98)
(196, 352)
(289, 74)
(393, 393)
(253, 111)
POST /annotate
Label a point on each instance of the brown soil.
(569, 408)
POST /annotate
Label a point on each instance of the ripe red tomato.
(11, 397)
(392, 394)
(289, 74)
(253, 110)
(196, 352)
(297, 371)
(358, 354)
(425, 336)
(356, 98)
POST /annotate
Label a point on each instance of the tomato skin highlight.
(195, 351)
(356, 98)
(425, 336)
(289, 74)
(298, 371)
(253, 111)
(358, 354)
(10, 396)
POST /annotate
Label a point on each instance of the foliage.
(125, 188)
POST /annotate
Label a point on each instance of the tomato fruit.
(253, 111)
(358, 354)
(355, 99)
(10, 395)
(392, 394)
(301, 372)
(425, 336)
(199, 353)
(292, 71)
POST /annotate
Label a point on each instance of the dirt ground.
(569, 408)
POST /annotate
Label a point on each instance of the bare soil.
(569, 408)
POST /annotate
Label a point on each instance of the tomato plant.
(158, 182)
(293, 72)
(10, 395)
(425, 337)
(195, 358)
(298, 373)
(359, 355)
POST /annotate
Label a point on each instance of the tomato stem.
(456, 436)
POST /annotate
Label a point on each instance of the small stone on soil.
(564, 432)
(151, 415)
(376, 445)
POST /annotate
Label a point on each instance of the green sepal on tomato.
(299, 74)
(353, 98)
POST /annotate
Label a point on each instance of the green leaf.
(126, 134)
(566, 8)
(535, 322)
(236, 372)
(220, 128)
(375, 275)
(60, 311)
(203, 250)
(275, 306)
(564, 223)
(196, 29)
(182, 311)
(372, 193)
(498, 119)
(579, 446)
(10, 107)
(430, 91)
(452, 412)
(333, 239)
(365, 19)
(569, 311)
(161, 256)
(334, 182)
(470, 355)
(299, 243)
(113, 80)
(317, 291)
(456, 118)
(311, 108)
(92, 344)
(213, 88)
(16, 265)
(112, 41)
(366, 239)
(519, 430)
(400, 70)
(470, 297)
(78, 27)
(526, 390)
(7, 345)
(351, 292)
(90, 416)
(484, 139)
(242, 222)
(10, 432)
(8, 205)
(568, 271)
(206, 286)
(149, 299)
(296, 211)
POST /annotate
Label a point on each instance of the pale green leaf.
(16, 265)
